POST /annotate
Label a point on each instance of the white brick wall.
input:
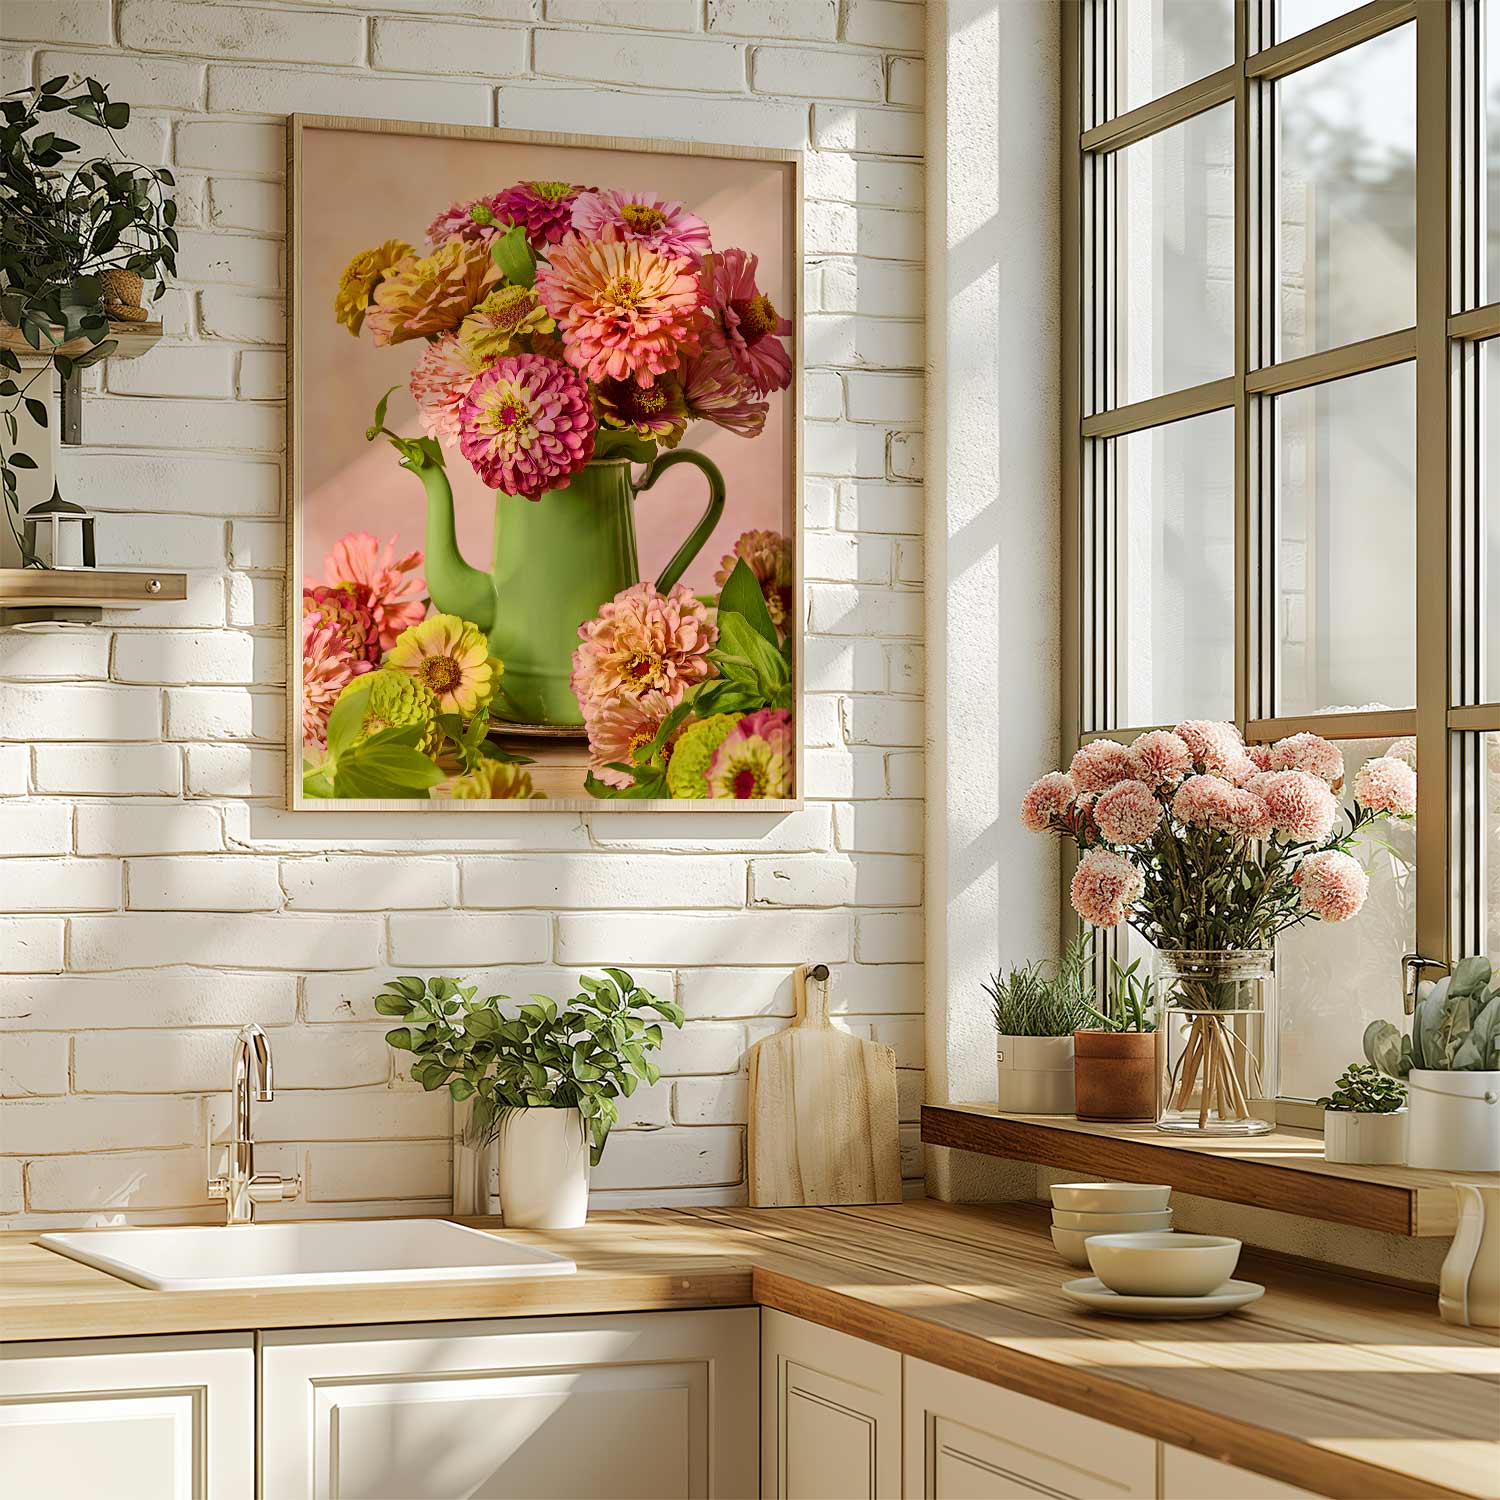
(154, 894)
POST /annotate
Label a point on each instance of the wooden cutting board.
(822, 1112)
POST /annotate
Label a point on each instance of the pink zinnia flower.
(1046, 799)
(1386, 785)
(749, 328)
(347, 609)
(426, 295)
(715, 391)
(755, 758)
(1159, 758)
(623, 308)
(1128, 813)
(397, 593)
(619, 727)
(1404, 750)
(457, 222)
(1104, 887)
(543, 209)
(527, 425)
(327, 669)
(1301, 806)
(643, 642)
(1333, 886)
(769, 556)
(439, 382)
(1310, 753)
(1260, 755)
(654, 411)
(605, 214)
(1249, 817)
(1099, 765)
(1206, 802)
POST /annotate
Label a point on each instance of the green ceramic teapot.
(556, 561)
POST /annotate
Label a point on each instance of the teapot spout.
(455, 587)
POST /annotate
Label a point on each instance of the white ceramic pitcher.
(1469, 1288)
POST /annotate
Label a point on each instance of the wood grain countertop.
(1349, 1387)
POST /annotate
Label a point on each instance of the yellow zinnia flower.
(490, 781)
(452, 657)
(357, 284)
(505, 315)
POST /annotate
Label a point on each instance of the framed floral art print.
(543, 471)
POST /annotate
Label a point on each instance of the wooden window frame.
(1444, 346)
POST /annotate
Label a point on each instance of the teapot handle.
(704, 529)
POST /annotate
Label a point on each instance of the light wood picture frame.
(354, 518)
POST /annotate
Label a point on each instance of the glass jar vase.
(1218, 1053)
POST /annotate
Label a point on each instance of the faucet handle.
(272, 1187)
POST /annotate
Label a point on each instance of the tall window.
(1282, 401)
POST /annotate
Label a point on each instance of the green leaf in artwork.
(738, 638)
(513, 255)
(376, 427)
(387, 764)
(742, 595)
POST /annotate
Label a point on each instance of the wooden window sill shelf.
(1282, 1170)
(131, 341)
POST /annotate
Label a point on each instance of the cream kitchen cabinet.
(830, 1413)
(966, 1439)
(650, 1406)
(1190, 1476)
(131, 1419)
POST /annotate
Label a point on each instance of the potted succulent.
(1114, 1060)
(1036, 1014)
(542, 1082)
(78, 240)
(1451, 1064)
(1364, 1120)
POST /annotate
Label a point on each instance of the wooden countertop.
(1351, 1388)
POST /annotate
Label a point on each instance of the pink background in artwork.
(360, 188)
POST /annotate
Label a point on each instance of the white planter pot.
(1036, 1074)
(1364, 1139)
(1455, 1120)
(544, 1169)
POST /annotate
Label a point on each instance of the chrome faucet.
(242, 1186)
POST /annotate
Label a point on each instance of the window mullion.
(1434, 842)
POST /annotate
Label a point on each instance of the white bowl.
(1111, 1197)
(1112, 1223)
(1069, 1244)
(1161, 1263)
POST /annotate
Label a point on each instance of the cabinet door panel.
(832, 1413)
(133, 1419)
(969, 1440)
(1190, 1476)
(660, 1406)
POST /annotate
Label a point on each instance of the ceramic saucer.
(1093, 1293)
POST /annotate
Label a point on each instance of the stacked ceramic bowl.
(1081, 1209)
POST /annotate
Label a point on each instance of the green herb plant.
(1044, 999)
(62, 223)
(1132, 1000)
(583, 1057)
(1455, 1029)
(1364, 1090)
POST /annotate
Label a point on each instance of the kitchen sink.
(346, 1252)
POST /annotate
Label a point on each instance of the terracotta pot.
(1115, 1075)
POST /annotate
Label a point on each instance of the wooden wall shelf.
(133, 339)
(83, 588)
(1284, 1170)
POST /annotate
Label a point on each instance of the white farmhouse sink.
(331, 1253)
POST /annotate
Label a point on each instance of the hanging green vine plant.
(64, 224)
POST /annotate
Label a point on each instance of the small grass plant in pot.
(1364, 1118)
(1451, 1064)
(1036, 1010)
(1115, 1069)
(542, 1082)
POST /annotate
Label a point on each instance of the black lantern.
(59, 534)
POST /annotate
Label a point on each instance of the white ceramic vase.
(1454, 1121)
(1372, 1140)
(1035, 1074)
(1469, 1287)
(544, 1169)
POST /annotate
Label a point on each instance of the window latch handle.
(1412, 965)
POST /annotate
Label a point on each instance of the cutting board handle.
(812, 1000)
